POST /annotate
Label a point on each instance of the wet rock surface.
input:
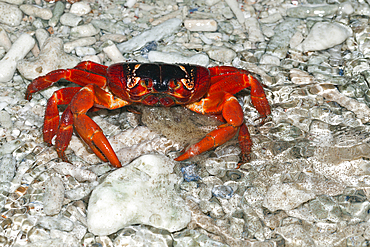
(307, 182)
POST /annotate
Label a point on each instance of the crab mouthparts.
(158, 100)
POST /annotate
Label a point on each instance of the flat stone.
(285, 197)
(324, 35)
(156, 33)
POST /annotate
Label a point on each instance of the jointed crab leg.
(232, 80)
(88, 97)
(51, 120)
(64, 133)
(93, 67)
(245, 143)
(80, 75)
(232, 112)
(226, 81)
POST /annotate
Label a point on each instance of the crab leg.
(245, 143)
(231, 112)
(93, 67)
(221, 76)
(79, 75)
(64, 133)
(51, 120)
(62, 127)
(88, 97)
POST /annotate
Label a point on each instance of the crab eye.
(146, 83)
(174, 84)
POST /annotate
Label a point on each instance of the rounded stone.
(141, 193)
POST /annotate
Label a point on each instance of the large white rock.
(141, 193)
(52, 57)
(324, 35)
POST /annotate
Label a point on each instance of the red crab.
(200, 89)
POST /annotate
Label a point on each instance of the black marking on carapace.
(161, 75)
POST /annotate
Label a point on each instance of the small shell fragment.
(54, 195)
(201, 25)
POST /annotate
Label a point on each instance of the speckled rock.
(54, 195)
(141, 193)
(10, 14)
(156, 33)
(51, 57)
(285, 197)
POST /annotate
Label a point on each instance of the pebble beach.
(307, 182)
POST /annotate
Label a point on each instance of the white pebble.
(93, 58)
(113, 37)
(4, 39)
(211, 2)
(269, 59)
(156, 33)
(70, 46)
(5, 120)
(166, 17)
(15, 133)
(137, 194)
(329, 92)
(41, 35)
(234, 6)
(346, 8)
(16, 2)
(198, 59)
(298, 76)
(214, 36)
(130, 3)
(84, 189)
(69, 19)
(53, 196)
(7, 168)
(296, 39)
(80, 8)
(324, 35)
(272, 18)
(200, 25)
(60, 223)
(18, 51)
(84, 30)
(222, 54)
(67, 238)
(285, 197)
(254, 30)
(33, 10)
(84, 51)
(65, 168)
(114, 54)
(10, 14)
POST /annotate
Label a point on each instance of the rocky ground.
(307, 183)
